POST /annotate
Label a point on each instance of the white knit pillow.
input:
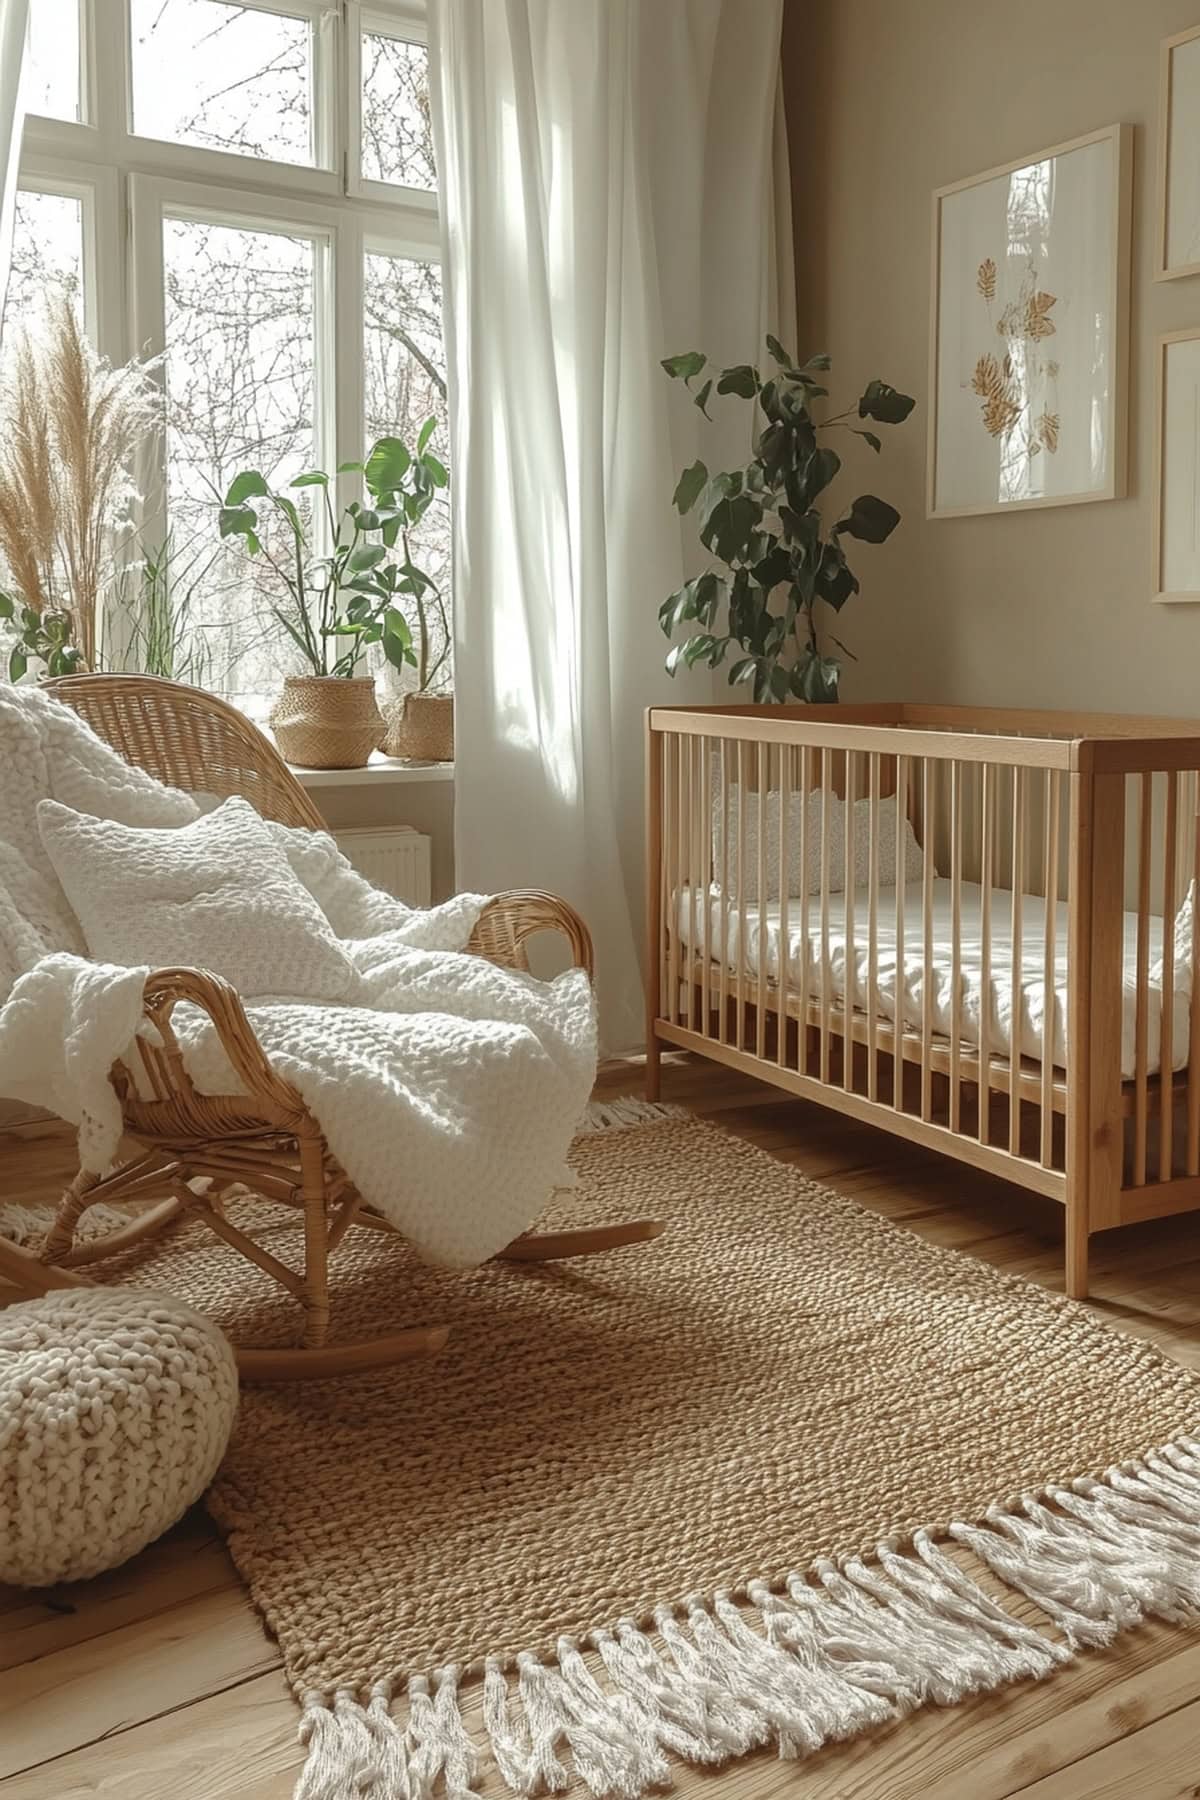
(215, 894)
(914, 863)
(729, 817)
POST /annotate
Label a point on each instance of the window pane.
(397, 142)
(47, 255)
(240, 394)
(223, 76)
(404, 378)
(53, 72)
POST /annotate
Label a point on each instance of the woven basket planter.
(327, 722)
(421, 727)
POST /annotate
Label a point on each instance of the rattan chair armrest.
(220, 1001)
(508, 920)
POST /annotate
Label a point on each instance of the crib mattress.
(753, 939)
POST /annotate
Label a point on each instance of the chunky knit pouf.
(115, 1410)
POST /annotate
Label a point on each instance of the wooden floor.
(157, 1682)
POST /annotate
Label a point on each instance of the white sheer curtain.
(609, 194)
(14, 17)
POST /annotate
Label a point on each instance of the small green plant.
(151, 612)
(44, 637)
(764, 524)
(361, 591)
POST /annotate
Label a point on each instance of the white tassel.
(621, 1115)
(438, 1743)
(342, 1762)
(639, 1763)
(393, 1778)
(673, 1707)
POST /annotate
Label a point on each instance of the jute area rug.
(727, 1466)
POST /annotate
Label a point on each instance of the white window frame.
(127, 183)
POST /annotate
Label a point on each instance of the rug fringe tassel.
(825, 1658)
(614, 1115)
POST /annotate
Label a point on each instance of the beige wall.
(888, 99)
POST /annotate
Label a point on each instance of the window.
(247, 188)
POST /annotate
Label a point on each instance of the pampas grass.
(70, 428)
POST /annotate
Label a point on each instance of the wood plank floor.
(157, 1682)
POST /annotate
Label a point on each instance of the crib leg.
(653, 1066)
(1077, 1250)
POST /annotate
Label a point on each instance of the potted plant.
(763, 523)
(402, 485)
(335, 606)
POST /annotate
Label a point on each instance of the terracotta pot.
(421, 727)
(327, 721)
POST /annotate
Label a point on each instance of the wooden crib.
(971, 927)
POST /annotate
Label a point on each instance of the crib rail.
(962, 926)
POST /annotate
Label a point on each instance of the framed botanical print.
(1179, 157)
(1177, 468)
(1028, 353)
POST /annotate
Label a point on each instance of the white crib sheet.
(699, 924)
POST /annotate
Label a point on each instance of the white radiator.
(396, 860)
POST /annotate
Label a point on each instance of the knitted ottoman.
(115, 1409)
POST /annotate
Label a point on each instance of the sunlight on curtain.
(604, 204)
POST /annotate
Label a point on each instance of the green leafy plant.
(361, 591)
(151, 612)
(44, 637)
(763, 522)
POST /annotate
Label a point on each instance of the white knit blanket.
(449, 1094)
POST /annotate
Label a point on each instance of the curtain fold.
(608, 193)
(14, 19)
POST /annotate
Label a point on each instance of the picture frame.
(1178, 234)
(1029, 331)
(1177, 468)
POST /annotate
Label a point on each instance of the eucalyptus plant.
(764, 524)
(361, 591)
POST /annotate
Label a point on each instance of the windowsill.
(381, 771)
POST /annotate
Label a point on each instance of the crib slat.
(956, 945)
(901, 947)
(1193, 1079)
(740, 859)
(823, 972)
(1017, 963)
(761, 770)
(1052, 803)
(1166, 1050)
(785, 884)
(806, 848)
(848, 961)
(927, 822)
(873, 925)
(675, 877)
(723, 877)
(703, 831)
(1141, 1027)
(695, 952)
(987, 831)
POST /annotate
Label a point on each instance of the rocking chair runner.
(264, 1138)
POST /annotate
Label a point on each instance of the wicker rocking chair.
(264, 1138)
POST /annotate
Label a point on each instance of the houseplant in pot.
(333, 607)
(402, 484)
(763, 523)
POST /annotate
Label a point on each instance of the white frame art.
(1178, 235)
(1177, 468)
(1029, 330)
